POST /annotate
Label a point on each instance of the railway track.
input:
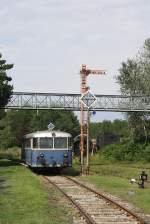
(94, 207)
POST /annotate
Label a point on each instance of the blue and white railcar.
(47, 149)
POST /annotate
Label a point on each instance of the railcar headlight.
(65, 155)
(41, 155)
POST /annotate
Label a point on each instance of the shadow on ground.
(69, 171)
(7, 162)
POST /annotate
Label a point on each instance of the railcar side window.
(46, 143)
(60, 142)
(35, 142)
(27, 142)
(69, 142)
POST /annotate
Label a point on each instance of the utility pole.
(84, 115)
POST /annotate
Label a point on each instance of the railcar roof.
(47, 134)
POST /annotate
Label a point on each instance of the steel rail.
(81, 210)
(139, 219)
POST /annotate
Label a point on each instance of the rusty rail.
(139, 219)
(83, 213)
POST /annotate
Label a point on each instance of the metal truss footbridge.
(62, 101)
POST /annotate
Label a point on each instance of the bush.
(113, 151)
(10, 153)
(127, 151)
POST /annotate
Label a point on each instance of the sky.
(48, 40)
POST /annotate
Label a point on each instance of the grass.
(25, 199)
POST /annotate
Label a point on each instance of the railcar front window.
(46, 143)
(60, 143)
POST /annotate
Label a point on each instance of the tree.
(13, 126)
(5, 88)
(63, 120)
(134, 79)
(130, 78)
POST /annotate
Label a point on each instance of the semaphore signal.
(84, 115)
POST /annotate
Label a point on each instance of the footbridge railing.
(62, 101)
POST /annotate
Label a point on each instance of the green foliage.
(139, 126)
(113, 151)
(129, 78)
(128, 148)
(147, 153)
(5, 87)
(118, 127)
(11, 153)
(127, 151)
(13, 126)
(18, 123)
(134, 74)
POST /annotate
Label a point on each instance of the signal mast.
(84, 116)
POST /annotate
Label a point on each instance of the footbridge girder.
(62, 101)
